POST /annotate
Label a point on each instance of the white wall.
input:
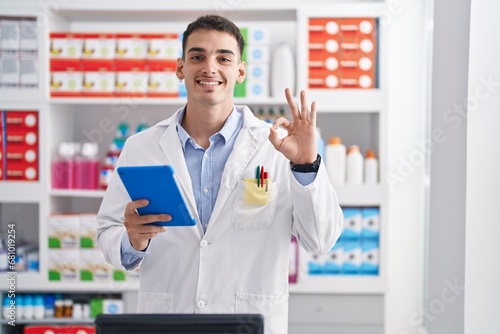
(406, 124)
(482, 244)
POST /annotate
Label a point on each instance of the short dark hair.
(214, 22)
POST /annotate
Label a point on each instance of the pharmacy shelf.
(21, 191)
(361, 195)
(51, 321)
(339, 285)
(77, 193)
(36, 282)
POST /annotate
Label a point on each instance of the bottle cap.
(370, 153)
(353, 148)
(335, 140)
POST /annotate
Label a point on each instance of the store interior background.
(442, 226)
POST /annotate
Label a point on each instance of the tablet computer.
(157, 184)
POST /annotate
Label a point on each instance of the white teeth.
(209, 83)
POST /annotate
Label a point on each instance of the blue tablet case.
(157, 184)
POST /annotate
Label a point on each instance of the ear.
(242, 72)
(178, 69)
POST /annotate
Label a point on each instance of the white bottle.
(335, 161)
(282, 70)
(371, 167)
(354, 163)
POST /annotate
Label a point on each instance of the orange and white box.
(66, 78)
(76, 329)
(98, 77)
(163, 46)
(98, 46)
(20, 171)
(66, 45)
(21, 137)
(21, 119)
(21, 155)
(41, 329)
(162, 80)
(130, 46)
(131, 78)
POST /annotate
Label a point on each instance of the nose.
(210, 66)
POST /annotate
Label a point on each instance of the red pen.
(267, 180)
(262, 176)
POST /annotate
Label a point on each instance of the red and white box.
(98, 77)
(22, 154)
(131, 77)
(98, 46)
(76, 329)
(20, 171)
(66, 78)
(66, 45)
(163, 46)
(162, 80)
(21, 137)
(130, 46)
(41, 329)
(21, 119)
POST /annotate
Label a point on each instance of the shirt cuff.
(127, 248)
(304, 178)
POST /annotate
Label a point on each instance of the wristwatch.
(307, 168)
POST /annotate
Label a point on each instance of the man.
(235, 260)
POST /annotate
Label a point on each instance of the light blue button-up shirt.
(205, 168)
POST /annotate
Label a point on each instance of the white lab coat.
(240, 265)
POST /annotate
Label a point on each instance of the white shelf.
(51, 321)
(77, 193)
(37, 282)
(21, 192)
(361, 195)
(339, 285)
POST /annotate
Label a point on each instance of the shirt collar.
(228, 130)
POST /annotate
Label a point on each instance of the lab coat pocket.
(273, 308)
(254, 207)
(155, 302)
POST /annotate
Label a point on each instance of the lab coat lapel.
(171, 146)
(245, 147)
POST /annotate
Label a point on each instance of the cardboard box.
(131, 78)
(98, 77)
(63, 265)
(370, 257)
(66, 45)
(130, 46)
(10, 69)
(88, 230)
(66, 83)
(64, 231)
(10, 37)
(371, 223)
(21, 119)
(98, 46)
(29, 37)
(29, 72)
(20, 171)
(352, 257)
(93, 266)
(21, 137)
(353, 223)
(163, 46)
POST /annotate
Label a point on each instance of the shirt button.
(203, 243)
(205, 190)
(201, 304)
(205, 155)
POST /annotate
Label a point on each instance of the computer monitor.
(179, 324)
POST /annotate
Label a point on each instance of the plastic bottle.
(89, 166)
(282, 70)
(63, 166)
(19, 306)
(6, 306)
(28, 306)
(38, 307)
(335, 160)
(354, 163)
(143, 125)
(49, 305)
(371, 167)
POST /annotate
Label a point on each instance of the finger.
(303, 106)
(312, 114)
(148, 219)
(273, 138)
(131, 208)
(281, 121)
(293, 107)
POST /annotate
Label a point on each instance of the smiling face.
(211, 67)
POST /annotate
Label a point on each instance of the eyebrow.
(196, 49)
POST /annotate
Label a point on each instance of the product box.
(162, 80)
(258, 54)
(98, 46)
(10, 69)
(131, 78)
(370, 257)
(130, 46)
(10, 38)
(93, 266)
(353, 223)
(29, 72)
(256, 35)
(316, 264)
(21, 137)
(29, 37)
(21, 154)
(66, 45)
(352, 257)
(75, 329)
(163, 46)
(66, 83)
(20, 171)
(63, 265)
(88, 230)
(258, 72)
(64, 231)
(335, 263)
(257, 89)
(371, 223)
(21, 119)
(41, 329)
(98, 78)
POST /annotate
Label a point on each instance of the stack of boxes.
(357, 250)
(19, 148)
(108, 64)
(74, 255)
(18, 54)
(342, 53)
(257, 55)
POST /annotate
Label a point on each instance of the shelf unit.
(62, 119)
